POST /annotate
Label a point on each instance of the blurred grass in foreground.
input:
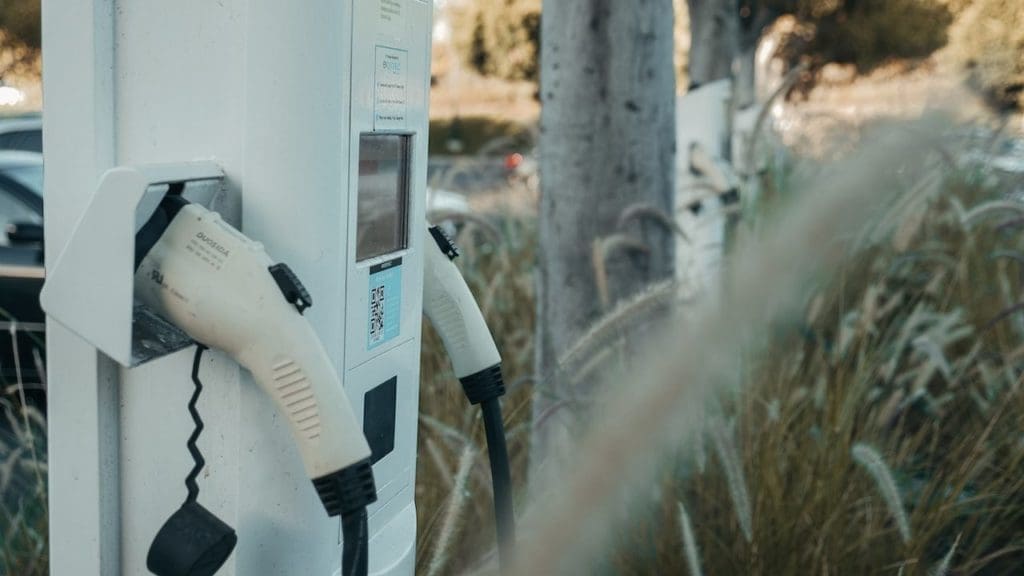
(880, 432)
(884, 432)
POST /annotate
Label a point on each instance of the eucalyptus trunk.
(714, 40)
(607, 144)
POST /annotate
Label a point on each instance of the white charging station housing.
(310, 121)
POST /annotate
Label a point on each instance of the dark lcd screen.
(382, 223)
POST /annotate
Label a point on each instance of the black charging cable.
(347, 493)
(486, 389)
(198, 462)
(355, 544)
(193, 541)
(445, 292)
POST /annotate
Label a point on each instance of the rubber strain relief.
(348, 490)
(485, 385)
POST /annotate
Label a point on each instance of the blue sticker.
(385, 313)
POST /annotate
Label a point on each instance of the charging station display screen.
(382, 222)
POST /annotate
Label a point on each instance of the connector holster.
(348, 490)
(485, 385)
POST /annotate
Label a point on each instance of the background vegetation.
(501, 38)
(23, 519)
(20, 35)
(988, 41)
(880, 432)
(866, 33)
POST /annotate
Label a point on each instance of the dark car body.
(22, 133)
(21, 275)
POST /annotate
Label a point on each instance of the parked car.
(21, 273)
(22, 133)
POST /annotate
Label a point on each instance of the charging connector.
(222, 289)
(486, 388)
(454, 313)
(347, 493)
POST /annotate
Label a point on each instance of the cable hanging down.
(485, 388)
(193, 449)
(355, 536)
(455, 314)
(501, 480)
(193, 541)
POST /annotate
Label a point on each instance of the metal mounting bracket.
(90, 289)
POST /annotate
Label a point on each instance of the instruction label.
(392, 17)
(384, 320)
(390, 101)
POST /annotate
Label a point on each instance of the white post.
(83, 445)
(280, 95)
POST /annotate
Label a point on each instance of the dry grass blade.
(730, 461)
(642, 212)
(689, 542)
(486, 226)
(872, 462)
(787, 84)
(942, 569)
(456, 503)
(990, 209)
(655, 300)
(602, 249)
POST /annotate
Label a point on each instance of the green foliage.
(500, 38)
(23, 483)
(866, 33)
(477, 134)
(20, 35)
(989, 41)
(20, 24)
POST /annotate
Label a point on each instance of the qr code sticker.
(377, 314)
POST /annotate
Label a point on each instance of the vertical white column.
(701, 118)
(78, 136)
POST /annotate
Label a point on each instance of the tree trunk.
(714, 40)
(752, 22)
(607, 143)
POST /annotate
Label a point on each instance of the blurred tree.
(500, 37)
(607, 144)
(20, 35)
(988, 41)
(724, 37)
(865, 33)
(714, 37)
(682, 43)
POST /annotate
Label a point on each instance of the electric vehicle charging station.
(702, 215)
(305, 124)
